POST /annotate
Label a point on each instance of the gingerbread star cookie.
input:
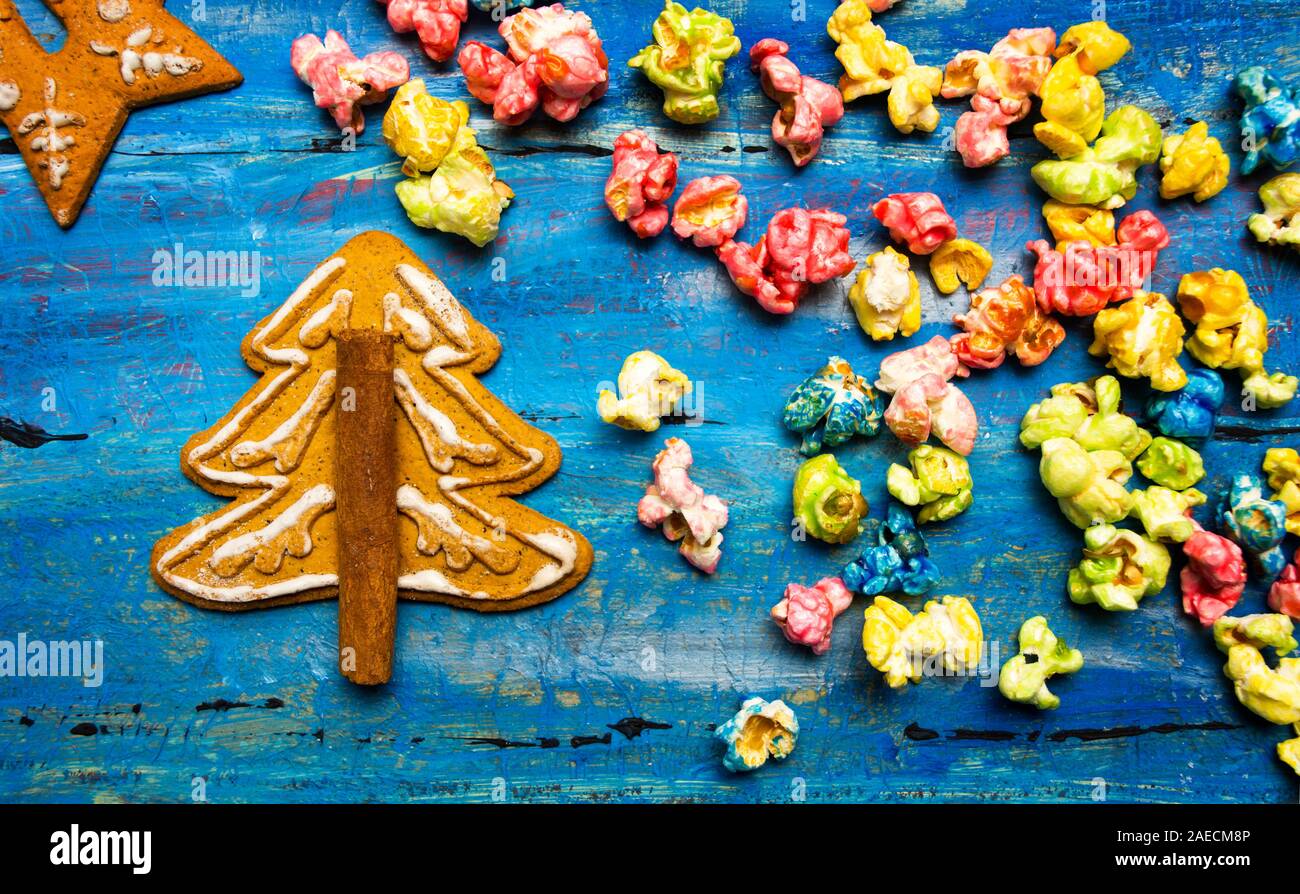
(369, 462)
(65, 109)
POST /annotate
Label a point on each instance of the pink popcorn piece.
(342, 83)
(930, 404)
(435, 22)
(555, 61)
(924, 400)
(917, 219)
(640, 183)
(935, 357)
(806, 614)
(1284, 594)
(800, 248)
(981, 134)
(1083, 278)
(710, 211)
(1000, 84)
(808, 106)
(1214, 577)
(685, 512)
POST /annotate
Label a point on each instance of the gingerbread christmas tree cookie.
(369, 463)
(64, 109)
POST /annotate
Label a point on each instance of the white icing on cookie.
(439, 532)
(135, 56)
(445, 309)
(437, 432)
(289, 532)
(290, 439)
(46, 137)
(113, 11)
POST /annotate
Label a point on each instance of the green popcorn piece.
(1088, 485)
(939, 481)
(1042, 656)
(1270, 390)
(1080, 180)
(461, 196)
(1119, 569)
(1129, 136)
(1105, 174)
(1109, 429)
(1163, 512)
(828, 501)
(1171, 464)
(1258, 631)
(687, 60)
(1058, 416)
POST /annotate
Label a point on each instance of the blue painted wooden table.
(534, 706)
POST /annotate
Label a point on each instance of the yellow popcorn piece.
(422, 128)
(911, 99)
(1143, 338)
(1193, 163)
(1289, 751)
(871, 62)
(1097, 45)
(648, 388)
(1232, 333)
(1073, 108)
(1079, 223)
(1282, 466)
(886, 296)
(904, 647)
(959, 261)
(1272, 693)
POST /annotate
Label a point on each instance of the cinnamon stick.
(365, 484)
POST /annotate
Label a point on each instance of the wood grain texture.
(536, 704)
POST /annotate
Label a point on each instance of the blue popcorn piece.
(1188, 413)
(832, 406)
(1270, 123)
(899, 562)
(1255, 522)
(759, 730)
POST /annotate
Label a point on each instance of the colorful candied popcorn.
(801, 248)
(687, 61)
(1005, 319)
(828, 502)
(1232, 333)
(1042, 656)
(555, 61)
(1119, 568)
(939, 482)
(1104, 175)
(924, 400)
(758, 731)
(1082, 277)
(898, 561)
(807, 614)
(683, 509)
(832, 406)
(946, 635)
(640, 183)
(648, 389)
(886, 297)
(1142, 338)
(342, 83)
(807, 105)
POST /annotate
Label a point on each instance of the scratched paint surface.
(611, 692)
